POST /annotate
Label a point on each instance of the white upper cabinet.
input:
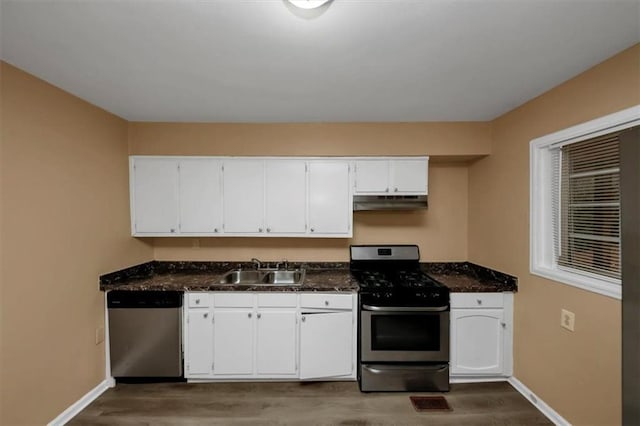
(372, 176)
(392, 176)
(154, 196)
(330, 198)
(243, 193)
(262, 196)
(286, 196)
(409, 176)
(200, 196)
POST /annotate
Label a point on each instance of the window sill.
(583, 282)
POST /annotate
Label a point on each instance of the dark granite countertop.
(459, 277)
(466, 277)
(205, 276)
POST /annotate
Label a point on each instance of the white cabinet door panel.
(276, 347)
(243, 192)
(330, 204)
(372, 176)
(155, 195)
(233, 342)
(286, 196)
(409, 176)
(478, 343)
(200, 196)
(199, 350)
(326, 345)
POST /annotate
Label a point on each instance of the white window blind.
(586, 206)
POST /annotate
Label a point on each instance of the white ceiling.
(359, 60)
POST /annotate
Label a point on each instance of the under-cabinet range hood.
(389, 202)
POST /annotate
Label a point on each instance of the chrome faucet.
(285, 264)
(257, 263)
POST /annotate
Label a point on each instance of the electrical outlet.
(195, 243)
(568, 320)
(99, 335)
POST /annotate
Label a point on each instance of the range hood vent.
(389, 202)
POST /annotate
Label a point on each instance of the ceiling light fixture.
(308, 4)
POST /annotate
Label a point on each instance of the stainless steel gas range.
(404, 321)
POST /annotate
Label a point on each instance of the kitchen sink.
(242, 277)
(284, 277)
(263, 277)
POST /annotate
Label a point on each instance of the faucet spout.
(256, 262)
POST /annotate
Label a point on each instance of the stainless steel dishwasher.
(145, 334)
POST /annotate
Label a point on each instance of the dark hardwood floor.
(320, 403)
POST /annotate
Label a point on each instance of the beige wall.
(577, 373)
(64, 222)
(440, 231)
(462, 139)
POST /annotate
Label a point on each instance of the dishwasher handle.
(147, 299)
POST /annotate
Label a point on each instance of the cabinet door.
(199, 343)
(243, 191)
(233, 342)
(330, 203)
(372, 176)
(276, 347)
(326, 345)
(155, 196)
(200, 196)
(285, 196)
(409, 176)
(477, 341)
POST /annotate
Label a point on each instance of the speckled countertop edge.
(205, 276)
(320, 276)
(467, 277)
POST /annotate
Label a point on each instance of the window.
(575, 204)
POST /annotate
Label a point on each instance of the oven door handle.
(405, 308)
(374, 370)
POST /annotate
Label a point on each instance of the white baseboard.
(476, 379)
(542, 406)
(80, 404)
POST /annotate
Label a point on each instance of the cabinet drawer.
(198, 300)
(277, 300)
(477, 300)
(233, 300)
(327, 301)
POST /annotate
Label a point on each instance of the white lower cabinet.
(233, 336)
(481, 334)
(259, 336)
(277, 343)
(326, 345)
(199, 343)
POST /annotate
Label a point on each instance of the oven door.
(410, 336)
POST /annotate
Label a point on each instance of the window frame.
(541, 256)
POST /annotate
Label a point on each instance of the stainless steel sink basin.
(284, 277)
(263, 278)
(242, 277)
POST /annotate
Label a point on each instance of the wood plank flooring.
(317, 403)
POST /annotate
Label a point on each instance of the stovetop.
(404, 287)
(390, 276)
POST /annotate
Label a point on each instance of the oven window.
(405, 332)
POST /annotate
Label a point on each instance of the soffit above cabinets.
(358, 61)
